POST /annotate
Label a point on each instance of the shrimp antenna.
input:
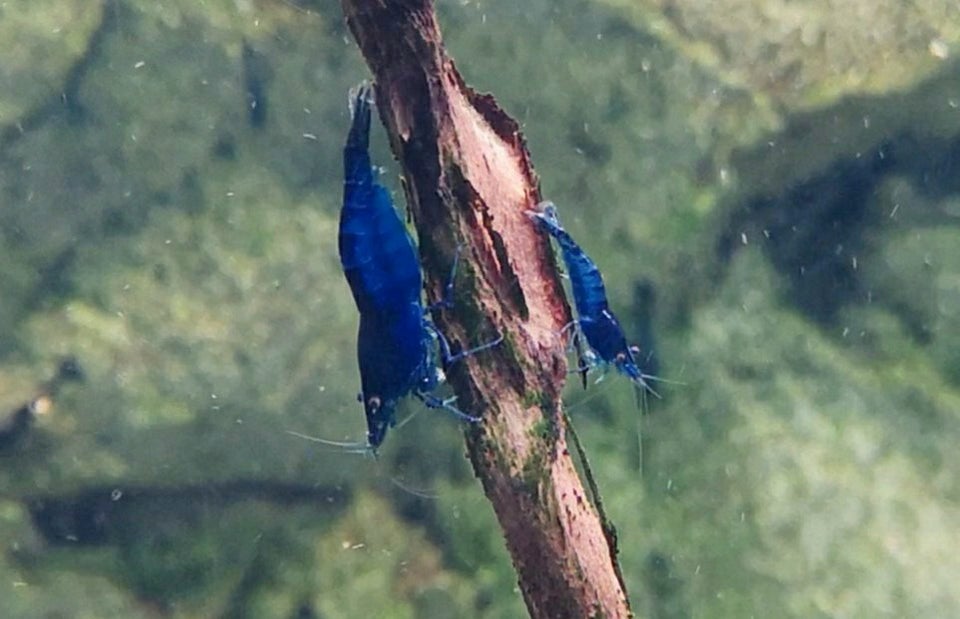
(423, 494)
(348, 446)
(363, 448)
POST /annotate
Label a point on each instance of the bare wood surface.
(469, 179)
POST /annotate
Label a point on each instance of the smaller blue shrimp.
(599, 326)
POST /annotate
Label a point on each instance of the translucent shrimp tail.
(360, 100)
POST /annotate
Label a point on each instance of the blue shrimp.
(395, 345)
(599, 326)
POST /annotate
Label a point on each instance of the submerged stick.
(469, 182)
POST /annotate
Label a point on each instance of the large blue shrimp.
(599, 326)
(396, 345)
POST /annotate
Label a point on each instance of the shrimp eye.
(635, 350)
(374, 403)
(621, 357)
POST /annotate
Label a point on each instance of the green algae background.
(770, 189)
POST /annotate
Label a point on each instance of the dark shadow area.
(814, 230)
(93, 517)
(665, 588)
(816, 219)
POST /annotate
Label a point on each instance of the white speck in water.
(116, 494)
(310, 136)
(139, 64)
(669, 484)
(854, 261)
(167, 242)
(743, 238)
(846, 332)
(230, 194)
(866, 122)
(939, 49)
(766, 233)
(599, 36)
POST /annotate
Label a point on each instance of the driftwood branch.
(469, 180)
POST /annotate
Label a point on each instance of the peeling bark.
(469, 179)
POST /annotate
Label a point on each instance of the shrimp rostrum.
(595, 321)
(397, 342)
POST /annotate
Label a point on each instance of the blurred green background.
(771, 188)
